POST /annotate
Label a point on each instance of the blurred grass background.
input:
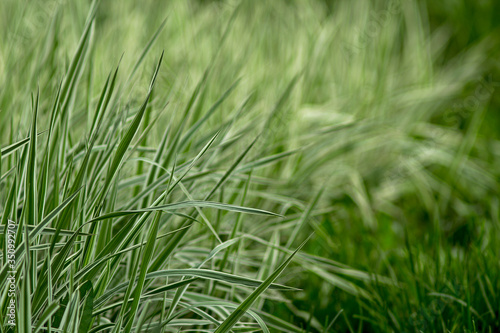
(389, 112)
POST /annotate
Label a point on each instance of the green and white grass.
(217, 166)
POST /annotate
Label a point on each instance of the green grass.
(217, 166)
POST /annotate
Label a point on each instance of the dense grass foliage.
(244, 166)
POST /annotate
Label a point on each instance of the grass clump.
(165, 164)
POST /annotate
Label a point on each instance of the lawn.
(249, 166)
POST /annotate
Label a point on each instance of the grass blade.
(230, 321)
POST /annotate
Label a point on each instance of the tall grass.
(165, 164)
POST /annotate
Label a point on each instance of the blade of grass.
(240, 311)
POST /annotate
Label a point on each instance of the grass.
(217, 166)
